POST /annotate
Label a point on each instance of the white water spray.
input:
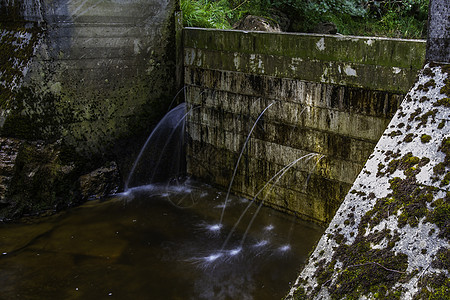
(171, 120)
(282, 172)
(239, 159)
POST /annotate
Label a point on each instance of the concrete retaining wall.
(332, 96)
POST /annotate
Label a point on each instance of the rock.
(325, 28)
(100, 183)
(281, 18)
(256, 23)
(37, 177)
(9, 148)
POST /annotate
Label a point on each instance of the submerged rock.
(37, 177)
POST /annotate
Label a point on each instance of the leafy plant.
(204, 13)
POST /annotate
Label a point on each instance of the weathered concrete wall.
(331, 95)
(82, 83)
(100, 71)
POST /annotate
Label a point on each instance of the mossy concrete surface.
(390, 237)
(366, 62)
(330, 99)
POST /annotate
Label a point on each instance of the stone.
(325, 28)
(390, 236)
(39, 178)
(100, 183)
(256, 23)
(282, 19)
(9, 148)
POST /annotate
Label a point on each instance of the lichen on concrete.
(390, 237)
(17, 46)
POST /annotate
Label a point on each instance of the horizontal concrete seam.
(369, 142)
(338, 131)
(241, 172)
(343, 37)
(377, 88)
(335, 161)
(309, 128)
(276, 100)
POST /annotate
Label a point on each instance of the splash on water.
(285, 248)
(235, 251)
(269, 227)
(213, 257)
(261, 244)
(215, 227)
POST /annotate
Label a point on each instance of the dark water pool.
(155, 243)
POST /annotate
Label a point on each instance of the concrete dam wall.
(94, 71)
(331, 96)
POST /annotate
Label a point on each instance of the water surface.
(157, 242)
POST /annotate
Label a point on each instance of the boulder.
(256, 23)
(35, 178)
(9, 148)
(325, 28)
(100, 183)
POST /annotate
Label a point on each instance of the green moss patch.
(446, 88)
(366, 270)
(433, 287)
(436, 286)
(425, 138)
(409, 138)
(440, 215)
(443, 102)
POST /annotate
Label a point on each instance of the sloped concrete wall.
(331, 96)
(390, 237)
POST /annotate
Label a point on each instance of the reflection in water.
(154, 242)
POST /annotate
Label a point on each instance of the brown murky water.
(155, 243)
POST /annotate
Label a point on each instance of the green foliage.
(391, 18)
(204, 13)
